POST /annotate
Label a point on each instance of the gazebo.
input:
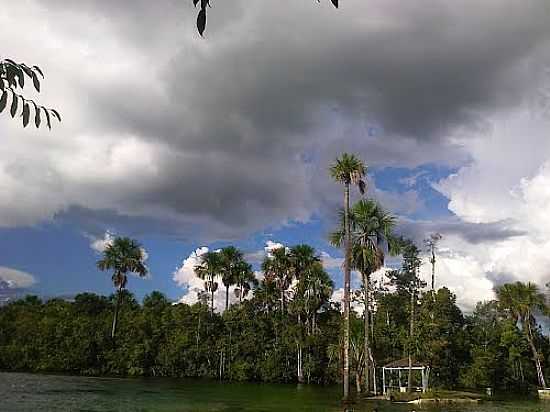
(400, 366)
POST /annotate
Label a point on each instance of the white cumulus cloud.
(16, 279)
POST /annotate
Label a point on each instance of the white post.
(423, 380)
(399, 377)
(384, 381)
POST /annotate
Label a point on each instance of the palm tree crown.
(278, 269)
(208, 269)
(230, 259)
(123, 255)
(371, 235)
(349, 169)
(244, 280)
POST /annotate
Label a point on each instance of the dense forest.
(274, 337)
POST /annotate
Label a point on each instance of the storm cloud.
(233, 133)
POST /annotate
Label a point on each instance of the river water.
(24, 392)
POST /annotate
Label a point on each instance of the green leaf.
(48, 120)
(14, 103)
(35, 81)
(37, 118)
(201, 21)
(38, 70)
(21, 77)
(56, 114)
(3, 101)
(26, 114)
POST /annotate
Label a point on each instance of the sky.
(186, 143)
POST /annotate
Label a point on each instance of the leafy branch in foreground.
(201, 17)
(12, 80)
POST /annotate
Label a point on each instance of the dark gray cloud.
(474, 233)
(235, 131)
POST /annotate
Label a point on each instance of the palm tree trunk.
(300, 364)
(411, 334)
(347, 275)
(367, 349)
(433, 268)
(226, 296)
(117, 309)
(536, 357)
(212, 302)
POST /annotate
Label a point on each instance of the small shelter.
(396, 373)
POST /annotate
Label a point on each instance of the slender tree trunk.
(117, 309)
(367, 349)
(212, 302)
(282, 300)
(300, 354)
(433, 268)
(300, 364)
(241, 295)
(411, 334)
(347, 275)
(358, 380)
(536, 357)
(226, 297)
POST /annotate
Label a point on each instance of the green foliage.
(158, 338)
(12, 82)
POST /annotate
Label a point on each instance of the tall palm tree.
(521, 301)
(208, 269)
(231, 257)
(123, 256)
(278, 269)
(348, 170)
(371, 237)
(245, 280)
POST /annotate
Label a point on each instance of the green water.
(23, 392)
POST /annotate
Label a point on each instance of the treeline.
(264, 339)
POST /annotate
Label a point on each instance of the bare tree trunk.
(411, 334)
(300, 355)
(300, 363)
(117, 309)
(347, 275)
(358, 380)
(367, 348)
(433, 267)
(212, 302)
(226, 297)
(536, 357)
